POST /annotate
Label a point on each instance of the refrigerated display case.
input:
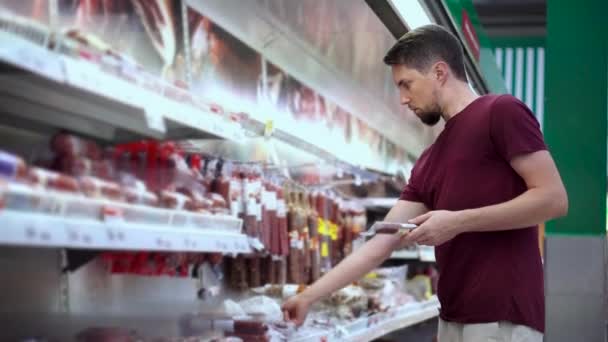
(169, 166)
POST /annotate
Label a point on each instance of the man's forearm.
(530, 208)
(356, 265)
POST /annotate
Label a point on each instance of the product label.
(294, 239)
(324, 250)
(322, 228)
(333, 231)
(281, 208)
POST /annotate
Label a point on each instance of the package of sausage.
(99, 188)
(254, 267)
(282, 224)
(64, 144)
(52, 180)
(174, 200)
(293, 259)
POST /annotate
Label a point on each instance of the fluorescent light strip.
(411, 12)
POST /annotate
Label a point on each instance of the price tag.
(268, 128)
(322, 228)
(324, 250)
(155, 119)
(333, 231)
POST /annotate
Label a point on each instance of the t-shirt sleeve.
(411, 192)
(514, 129)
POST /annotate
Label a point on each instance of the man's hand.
(434, 228)
(295, 309)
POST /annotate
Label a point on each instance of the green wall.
(576, 105)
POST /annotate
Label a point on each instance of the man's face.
(419, 92)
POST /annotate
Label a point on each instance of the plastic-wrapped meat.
(238, 272)
(52, 180)
(174, 200)
(12, 167)
(250, 220)
(281, 269)
(293, 260)
(81, 166)
(64, 144)
(198, 202)
(270, 268)
(136, 195)
(315, 256)
(282, 227)
(250, 327)
(275, 239)
(98, 188)
(265, 227)
(305, 259)
(253, 264)
(217, 201)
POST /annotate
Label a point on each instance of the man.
(477, 194)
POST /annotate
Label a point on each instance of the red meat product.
(282, 225)
(281, 269)
(140, 196)
(255, 279)
(81, 166)
(174, 200)
(52, 180)
(64, 144)
(239, 273)
(271, 271)
(98, 188)
(315, 256)
(250, 220)
(197, 201)
(275, 240)
(293, 261)
(250, 327)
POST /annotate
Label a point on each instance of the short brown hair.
(425, 45)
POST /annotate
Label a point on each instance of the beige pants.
(494, 332)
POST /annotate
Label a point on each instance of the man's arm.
(356, 265)
(366, 258)
(545, 199)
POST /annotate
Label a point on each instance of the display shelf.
(378, 325)
(66, 92)
(39, 230)
(53, 219)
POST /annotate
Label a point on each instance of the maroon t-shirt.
(484, 276)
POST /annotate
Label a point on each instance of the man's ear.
(441, 70)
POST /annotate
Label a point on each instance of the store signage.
(470, 35)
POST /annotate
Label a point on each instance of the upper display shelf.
(87, 95)
(121, 77)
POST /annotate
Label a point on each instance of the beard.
(431, 115)
(430, 118)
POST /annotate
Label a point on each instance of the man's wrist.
(465, 220)
(308, 296)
